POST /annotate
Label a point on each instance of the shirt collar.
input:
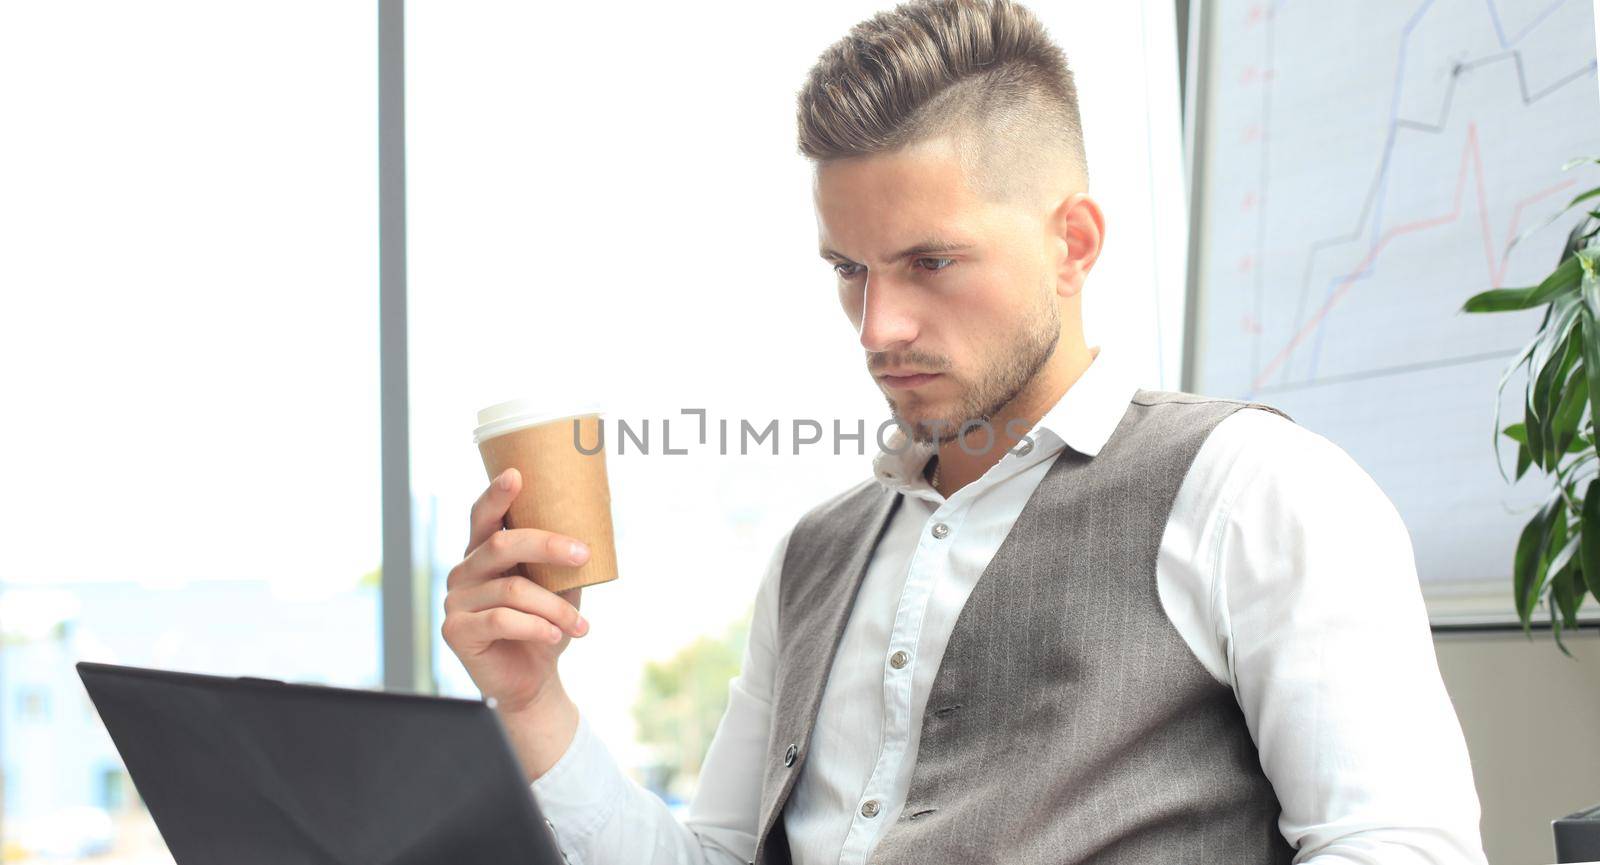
(1083, 419)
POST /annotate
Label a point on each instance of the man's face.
(937, 280)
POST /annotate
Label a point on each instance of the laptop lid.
(258, 772)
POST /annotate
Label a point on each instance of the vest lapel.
(812, 611)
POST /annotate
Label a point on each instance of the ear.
(1078, 230)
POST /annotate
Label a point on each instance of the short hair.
(984, 72)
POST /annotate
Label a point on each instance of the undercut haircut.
(983, 72)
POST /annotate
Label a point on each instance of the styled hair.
(984, 72)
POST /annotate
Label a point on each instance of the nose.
(888, 315)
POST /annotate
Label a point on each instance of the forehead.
(867, 204)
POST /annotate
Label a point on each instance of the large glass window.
(188, 261)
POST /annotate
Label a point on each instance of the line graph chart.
(1367, 167)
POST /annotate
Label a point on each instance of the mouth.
(909, 380)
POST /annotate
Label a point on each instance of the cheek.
(975, 302)
(980, 319)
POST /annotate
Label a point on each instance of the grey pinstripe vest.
(1068, 721)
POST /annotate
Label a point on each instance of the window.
(33, 705)
(189, 270)
(115, 785)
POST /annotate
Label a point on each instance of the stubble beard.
(1003, 379)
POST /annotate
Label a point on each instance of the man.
(1068, 619)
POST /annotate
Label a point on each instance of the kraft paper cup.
(563, 489)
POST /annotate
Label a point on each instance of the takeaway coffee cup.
(564, 490)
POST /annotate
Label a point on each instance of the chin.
(917, 421)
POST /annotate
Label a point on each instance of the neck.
(961, 463)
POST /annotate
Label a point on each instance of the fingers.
(489, 511)
(520, 594)
(573, 596)
(470, 633)
(504, 549)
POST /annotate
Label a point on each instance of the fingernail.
(504, 481)
(579, 551)
(583, 626)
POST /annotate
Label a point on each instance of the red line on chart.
(1470, 156)
(1511, 230)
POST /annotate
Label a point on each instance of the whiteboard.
(1359, 170)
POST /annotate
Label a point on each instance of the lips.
(911, 380)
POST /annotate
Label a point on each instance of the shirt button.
(788, 756)
(1023, 448)
(898, 659)
(940, 530)
(869, 808)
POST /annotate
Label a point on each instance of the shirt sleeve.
(601, 816)
(1331, 657)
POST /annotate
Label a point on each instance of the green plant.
(682, 700)
(1557, 560)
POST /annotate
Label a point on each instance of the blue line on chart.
(1388, 149)
(1499, 31)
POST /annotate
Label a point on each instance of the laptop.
(249, 771)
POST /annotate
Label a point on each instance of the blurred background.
(217, 459)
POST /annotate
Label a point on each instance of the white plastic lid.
(519, 413)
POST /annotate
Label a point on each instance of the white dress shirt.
(1283, 566)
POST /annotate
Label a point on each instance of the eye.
(943, 263)
(842, 269)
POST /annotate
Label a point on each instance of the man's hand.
(507, 630)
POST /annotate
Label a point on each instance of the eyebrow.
(926, 247)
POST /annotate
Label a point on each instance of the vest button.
(898, 659)
(869, 808)
(789, 755)
(940, 530)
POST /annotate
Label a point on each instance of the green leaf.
(1555, 336)
(1539, 226)
(1564, 278)
(1564, 593)
(1581, 584)
(1531, 419)
(1550, 391)
(1516, 432)
(1499, 397)
(1552, 354)
(1561, 280)
(1555, 544)
(1574, 398)
(1524, 459)
(1591, 348)
(1588, 261)
(1529, 562)
(1555, 626)
(1548, 358)
(1581, 198)
(1569, 550)
(1590, 532)
(1499, 300)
